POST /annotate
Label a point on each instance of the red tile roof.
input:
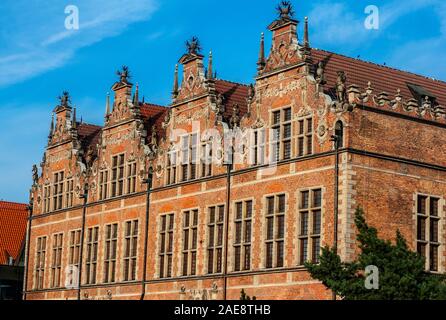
(152, 111)
(89, 134)
(13, 220)
(153, 115)
(234, 93)
(382, 78)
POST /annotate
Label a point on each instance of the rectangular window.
(257, 149)
(69, 193)
(281, 127)
(91, 262)
(190, 240)
(215, 238)
(305, 137)
(58, 190)
(206, 159)
(74, 248)
(310, 206)
(56, 261)
(46, 198)
(189, 144)
(131, 177)
(428, 222)
(242, 236)
(111, 242)
(103, 185)
(166, 245)
(171, 166)
(39, 264)
(117, 178)
(275, 231)
(130, 250)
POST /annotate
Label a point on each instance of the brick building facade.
(233, 186)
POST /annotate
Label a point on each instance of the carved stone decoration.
(321, 111)
(89, 157)
(320, 74)
(397, 101)
(35, 173)
(154, 141)
(250, 99)
(199, 294)
(167, 119)
(80, 164)
(304, 111)
(219, 152)
(353, 94)
(285, 10)
(124, 75)
(259, 123)
(93, 186)
(427, 103)
(322, 132)
(234, 121)
(410, 105)
(383, 98)
(341, 86)
(219, 108)
(159, 171)
(193, 46)
(65, 99)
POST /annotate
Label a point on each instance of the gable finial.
(285, 10)
(306, 37)
(124, 74)
(193, 46)
(210, 74)
(261, 61)
(175, 83)
(107, 104)
(74, 124)
(135, 96)
(65, 99)
(51, 126)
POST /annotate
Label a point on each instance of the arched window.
(339, 132)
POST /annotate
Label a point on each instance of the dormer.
(423, 96)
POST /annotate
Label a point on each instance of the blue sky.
(39, 58)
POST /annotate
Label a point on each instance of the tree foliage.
(401, 271)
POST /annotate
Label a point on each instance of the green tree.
(401, 271)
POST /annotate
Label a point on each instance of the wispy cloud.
(35, 40)
(340, 26)
(339, 23)
(426, 56)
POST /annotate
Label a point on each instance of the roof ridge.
(13, 202)
(90, 124)
(383, 66)
(152, 104)
(229, 81)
